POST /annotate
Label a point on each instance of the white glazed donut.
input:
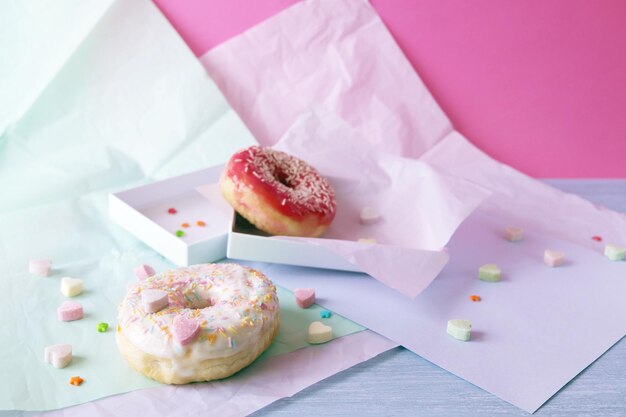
(216, 320)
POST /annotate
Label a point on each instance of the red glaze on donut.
(289, 185)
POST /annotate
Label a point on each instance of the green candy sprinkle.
(180, 233)
(102, 327)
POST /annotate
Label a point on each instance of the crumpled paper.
(247, 391)
(533, 331)
(119, 103)
(420, 206)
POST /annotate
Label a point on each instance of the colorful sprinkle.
(76, 380)
(172, 211)
(475, 298)
(325, 314)
(201, 223)
(231, 343)
(180, 233)
(103, 327)
(597, 238)
(185, 225)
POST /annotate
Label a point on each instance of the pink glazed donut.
(278, 193)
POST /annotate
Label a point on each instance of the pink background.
(540, 85)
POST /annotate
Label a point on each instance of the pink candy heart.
(154, 300)
(304, 296)
(185, 330)
(40, 267)
(69, 311)
(143, 272)
(58, 355)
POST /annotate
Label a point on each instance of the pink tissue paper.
(326, 60)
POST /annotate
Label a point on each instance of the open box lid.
(144, 212)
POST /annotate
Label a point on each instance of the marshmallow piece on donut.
(319, 333)
(70, 311)
(58, 355)
(553, 258)
(40, 267)
(614, 252)
(513, 234)
(489, 273)
(185, 330)
(143, 272)
(305, 297)
(71, 287)
(369, 215)
(460, 329)
(154, 300)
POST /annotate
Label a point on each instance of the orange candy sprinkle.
(76, 380)
(185, 225)
(201, 223)
(475, 298)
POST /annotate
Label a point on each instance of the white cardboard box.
(246, 242)
(143, 211)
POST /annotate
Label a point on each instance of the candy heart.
(460, 329)
(614, 252)
(71, 287)
(319, 333)
(58, 355)
(40, 267)
(489, 272)
(304, 296)
(513, 234)
(369, 215)
(185, 330)
(553, 258)
(143, 272)
(154, 300)
(69, 311)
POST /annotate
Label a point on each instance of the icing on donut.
(233, 307)
(278, 193)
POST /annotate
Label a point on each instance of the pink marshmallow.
(143, 272)
(553, 258)
(304, 296)
(58, 355)
(185, 330)
(154, 300)
(70, 311)
(40, 267)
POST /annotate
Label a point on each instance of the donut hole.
(282, 178)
